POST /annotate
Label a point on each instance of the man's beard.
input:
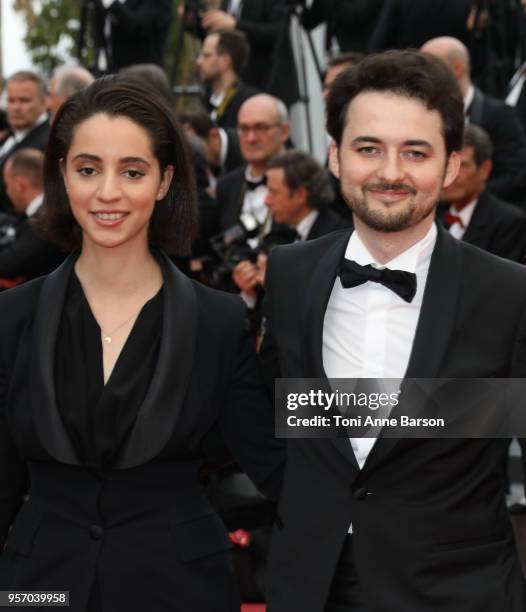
(383, 219)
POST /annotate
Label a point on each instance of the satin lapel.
(435, 325)
(164, 401)
(49, 425)
(311, 323)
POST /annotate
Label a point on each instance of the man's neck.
(257, 170)
(385, 246)
(458, 206)
(223, 82)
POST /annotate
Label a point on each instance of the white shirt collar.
(34, 205)
(468, 98)
(305, 225)
(223, 147)
(409, 260)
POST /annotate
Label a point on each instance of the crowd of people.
(122, 211)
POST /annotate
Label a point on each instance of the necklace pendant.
(107, 339)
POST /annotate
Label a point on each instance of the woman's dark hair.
(173, 223)
(407, 73)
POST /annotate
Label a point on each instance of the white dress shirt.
(368, 330)
(456, 230)
(305, 225)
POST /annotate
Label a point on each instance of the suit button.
(360, 493)
(96, 532)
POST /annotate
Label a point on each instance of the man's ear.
(486, 167)
(334, 162)
(166, 181)
(452, 168)
(285, 131)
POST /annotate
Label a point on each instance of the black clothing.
(496, 227)
(351, 21)
(226, 114)
(146, 521)
(501, 122)
(99, 417)
(326, 222)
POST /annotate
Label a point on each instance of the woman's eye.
(86, 171)
(133, 174)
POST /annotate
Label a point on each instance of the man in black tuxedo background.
(27, 118)
(382, 524)
(501, 122)
(473, 214)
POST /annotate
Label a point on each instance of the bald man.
(66, 81)
(501, 122)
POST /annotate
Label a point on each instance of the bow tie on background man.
(451, 219)
(402, 283)
(251, 185)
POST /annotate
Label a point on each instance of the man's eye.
(133, 174)
(368, 150)
(416, 154)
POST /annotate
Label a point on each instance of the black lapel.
(49, 424)
(435, 324)
(476, 230)
(164, 401)
(311, 322)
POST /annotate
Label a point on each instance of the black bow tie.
(401, 282)
(251, 185)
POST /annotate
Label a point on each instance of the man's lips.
(392, 194)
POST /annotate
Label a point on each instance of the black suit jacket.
(265, 24)
(326, 222)
(139, 32)
(35, 139)
(404, 23)
(230, 192)
(496, 227)
(501, 122)
(228, 118)
(147, 523)
(431, 530)
(28, 255)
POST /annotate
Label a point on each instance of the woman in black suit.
(115, 370)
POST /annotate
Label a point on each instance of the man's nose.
(391, 169)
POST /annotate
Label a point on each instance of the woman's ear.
(165, 182)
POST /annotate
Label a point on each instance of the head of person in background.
(26, 100)
(263, 128)
(456, 55)
(298, 186)
(117, 173)
(23, 177)
(396, 121)
(197, 123)
(336, 65)
(475, 168)
(223, 56)
(66, 81)
(152, 76)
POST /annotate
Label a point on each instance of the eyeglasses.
(259, 129)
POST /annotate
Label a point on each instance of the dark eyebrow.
(124, 160)
(359, 139)
(418, 143)
(407, 143)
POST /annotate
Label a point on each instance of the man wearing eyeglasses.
(263, 128)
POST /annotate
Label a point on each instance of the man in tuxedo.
(508, 179)
(263, 129)
(473, 213)
(223, 57)
(271, 67)
(26, 255)
(299, 196)
(27, 118)
(376, 524)
(130, 32)
(66, 81)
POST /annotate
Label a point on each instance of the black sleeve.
(355, 12)
(142, 20)
(264, 33)
(384, 35)
(247, 423)
(509, 240)
(315, 14)
(25, 255)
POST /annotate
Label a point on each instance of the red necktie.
(451, 219)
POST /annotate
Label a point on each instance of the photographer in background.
(130, 32)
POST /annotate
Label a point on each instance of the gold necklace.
(107, 337)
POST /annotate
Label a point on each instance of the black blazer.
(28, 255)
(35, 139)
(228, 118)
(230, 192)
(431, 528)
(138, 34)
(147, 524)
(404, 23)
(501, 122)
(496, 227)
(326, 222)
(265, 24)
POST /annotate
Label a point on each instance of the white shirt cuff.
(248, 299)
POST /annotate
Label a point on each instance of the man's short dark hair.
(197, 118)
(174, 220)
(28, 163)
(407, 73)
(234, 44)
(29, 75)
(476, 137)
(301, 170)
(342, 59)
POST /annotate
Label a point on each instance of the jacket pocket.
(200, 537)
(23, 531)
